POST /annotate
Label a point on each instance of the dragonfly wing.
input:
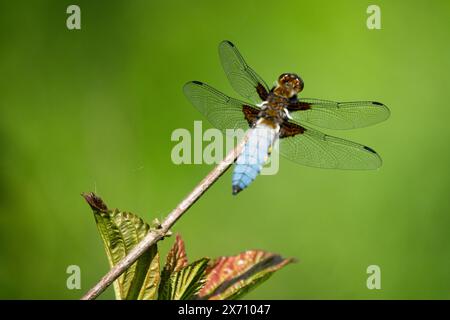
(313, 148)
(338, 115)
(242, 78)
(222, 111)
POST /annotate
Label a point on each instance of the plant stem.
(153, 236)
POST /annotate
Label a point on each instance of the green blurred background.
(94, 109)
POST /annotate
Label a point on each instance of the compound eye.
(299, 84)
(283, 78)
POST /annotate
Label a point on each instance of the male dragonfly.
(278, 113)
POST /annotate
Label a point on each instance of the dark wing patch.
(299, 105)
(262, 91)
(289, 129)
(250, 114)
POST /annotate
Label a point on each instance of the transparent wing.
(315, 149)
(222, 111)
(242, 78)
(338, 115)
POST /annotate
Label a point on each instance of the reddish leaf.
(176, 258)
(231, 277)
(175, 261)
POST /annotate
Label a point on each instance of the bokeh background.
(94, 109)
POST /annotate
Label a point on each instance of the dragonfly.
(278, 114)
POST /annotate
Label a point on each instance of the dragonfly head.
(288, 85)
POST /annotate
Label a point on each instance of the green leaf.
(232, 277)
(120, 232)
(185, 283)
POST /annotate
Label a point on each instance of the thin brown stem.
(154, 236)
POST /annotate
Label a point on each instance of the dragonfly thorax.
(275, 109)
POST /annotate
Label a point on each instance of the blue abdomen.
(253, 157)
